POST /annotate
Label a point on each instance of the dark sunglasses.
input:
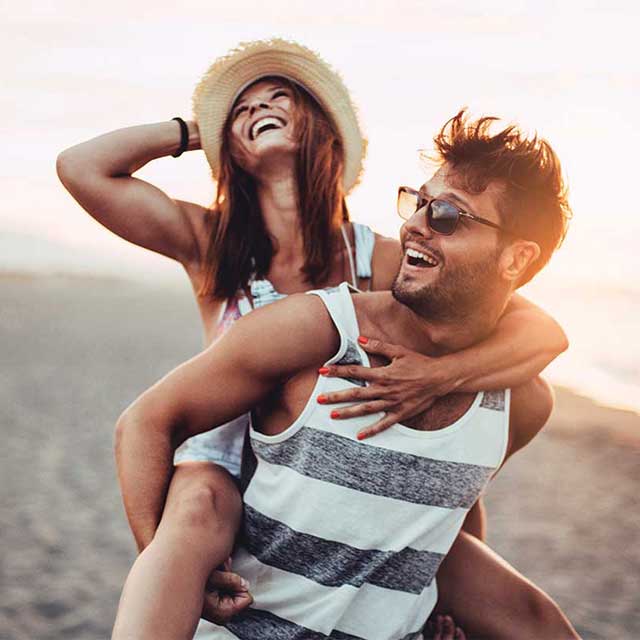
(442, 215)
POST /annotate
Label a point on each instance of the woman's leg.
(164, 593)
(489, 599)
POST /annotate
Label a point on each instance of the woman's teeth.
(419, 259)
(264, 124)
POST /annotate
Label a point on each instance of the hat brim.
(227, 77)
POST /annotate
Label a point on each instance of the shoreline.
(598, 420)
(567, 395)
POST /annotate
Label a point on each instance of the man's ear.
(517, 257)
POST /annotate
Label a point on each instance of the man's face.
(262, 123)
(461, 269)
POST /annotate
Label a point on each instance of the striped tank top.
(342, 539)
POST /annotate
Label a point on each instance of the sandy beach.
(76, 351)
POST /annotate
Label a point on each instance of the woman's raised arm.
(98, 173)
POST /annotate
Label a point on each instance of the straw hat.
(229, 75)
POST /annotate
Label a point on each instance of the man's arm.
(531, 407)
(476, 521)
(260, 352)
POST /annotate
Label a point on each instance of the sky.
(73, 70)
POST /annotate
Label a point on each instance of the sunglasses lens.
(443, 217)
(407, 204)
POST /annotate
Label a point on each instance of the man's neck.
(433, 337)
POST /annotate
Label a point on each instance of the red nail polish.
(321, 399)
(361, 436)
(363, 340)
(335, 414)
(323, 371)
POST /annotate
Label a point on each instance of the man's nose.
(417, 224)
(258, 104)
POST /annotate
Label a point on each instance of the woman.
(281, 136)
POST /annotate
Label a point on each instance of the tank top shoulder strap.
(365, 241)
(339, 304)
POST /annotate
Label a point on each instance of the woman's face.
(262, 124)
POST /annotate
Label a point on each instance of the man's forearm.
(144, 459)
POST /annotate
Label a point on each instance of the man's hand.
(404, 388)
(227, 594)
(442, 628)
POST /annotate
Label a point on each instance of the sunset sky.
(570, 70)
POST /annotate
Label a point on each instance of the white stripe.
(471, 439)
(370, 612)
(358, 519)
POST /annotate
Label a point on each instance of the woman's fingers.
(353, 394)
(377, 427)
(362, 409)
(354, 371)
(386, 349)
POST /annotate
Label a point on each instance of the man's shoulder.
(530, 408)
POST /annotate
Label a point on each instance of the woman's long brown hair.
(239, 244)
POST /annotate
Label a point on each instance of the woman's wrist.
(450, 376)
(188, 136)
(194, 136)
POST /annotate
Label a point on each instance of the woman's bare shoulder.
(387, 255)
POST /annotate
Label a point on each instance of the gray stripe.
(334, 564)
(382, 472)
(352, 356)
(257, 623)
(493, 400)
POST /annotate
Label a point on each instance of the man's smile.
(419, 257)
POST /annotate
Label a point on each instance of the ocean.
(597, 305)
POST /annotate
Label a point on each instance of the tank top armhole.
(339, 303)
(506, 430)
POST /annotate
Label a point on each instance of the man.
(342, 536)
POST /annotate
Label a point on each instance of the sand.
(76, 351)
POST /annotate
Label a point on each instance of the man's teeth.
(417, 255)
(264, 124)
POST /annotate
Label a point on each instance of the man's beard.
(460, 291)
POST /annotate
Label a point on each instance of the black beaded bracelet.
(184, 138)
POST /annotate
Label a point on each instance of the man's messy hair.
(534, 204)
